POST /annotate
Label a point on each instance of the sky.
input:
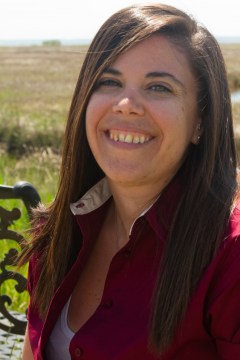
(80, 19)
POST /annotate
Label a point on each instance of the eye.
(159, 88)
(107, 83)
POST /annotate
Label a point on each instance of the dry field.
(231, 53)
(35, 90)
(36, 87)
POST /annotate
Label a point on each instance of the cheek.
(95, 111)
(183, 124)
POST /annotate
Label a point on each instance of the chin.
(127, 179)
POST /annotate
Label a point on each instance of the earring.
(199, 136)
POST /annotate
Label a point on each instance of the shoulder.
(223, 295)
(230, 245)
(228, 257)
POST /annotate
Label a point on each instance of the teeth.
(128, 138)
(121, 138)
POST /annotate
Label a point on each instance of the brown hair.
(209, 169)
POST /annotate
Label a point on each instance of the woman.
(146, 265)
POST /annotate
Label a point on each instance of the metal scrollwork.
(13, 324)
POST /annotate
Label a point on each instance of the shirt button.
(78, 352)
(80, 205)
(108, 304)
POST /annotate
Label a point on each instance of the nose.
(128, 105)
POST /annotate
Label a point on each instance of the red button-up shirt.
(118, 330)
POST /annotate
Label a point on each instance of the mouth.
(128, 137)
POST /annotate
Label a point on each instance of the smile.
(127, 137)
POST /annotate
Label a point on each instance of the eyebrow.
(112, 71)
(163, 74)
(153, 74)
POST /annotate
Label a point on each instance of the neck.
(129, 203)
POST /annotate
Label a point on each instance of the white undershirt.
(59, 341)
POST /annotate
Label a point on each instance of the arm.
(27, 351)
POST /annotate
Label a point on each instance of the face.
(143, 114)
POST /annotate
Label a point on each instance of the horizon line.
(84, 41)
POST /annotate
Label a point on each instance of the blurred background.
(42, 46)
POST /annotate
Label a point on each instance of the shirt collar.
(93, 198)
(159, 214)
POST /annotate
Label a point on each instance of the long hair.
(209, 169)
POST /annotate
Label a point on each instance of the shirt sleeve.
(224, 310)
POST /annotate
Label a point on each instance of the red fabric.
(118, 330)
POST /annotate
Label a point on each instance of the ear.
(197, 133)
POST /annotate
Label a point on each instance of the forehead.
(153, 54)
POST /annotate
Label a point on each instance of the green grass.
(41, 169)
(19, 300)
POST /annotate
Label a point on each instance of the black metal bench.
(12, 323)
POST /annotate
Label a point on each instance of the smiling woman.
(139, 251)
(142, 114)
